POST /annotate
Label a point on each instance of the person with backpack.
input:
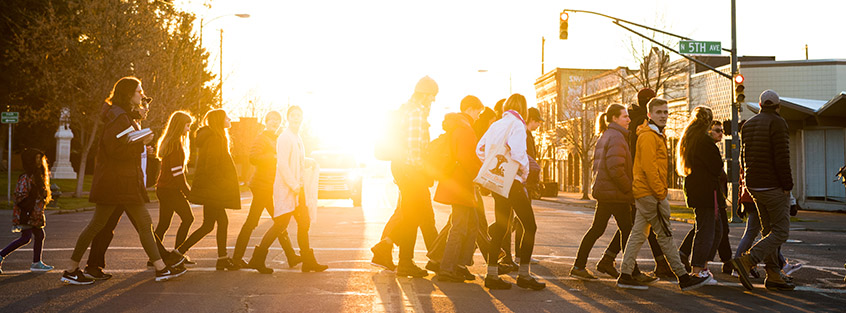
(511, 130)
(32, 193)
(215, 185)
(649, 187)
(119, 183)
(414, 209)
(456, 166)
(612, 183)
(263, 157)
(289, 197)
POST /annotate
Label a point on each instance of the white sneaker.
(791, 268)
(707, 274)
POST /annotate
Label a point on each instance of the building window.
(824, 155)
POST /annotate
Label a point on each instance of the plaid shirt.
(416, 119)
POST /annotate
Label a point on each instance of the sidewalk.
(804, 221)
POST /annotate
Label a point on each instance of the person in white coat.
(512, 130)
(289, 196)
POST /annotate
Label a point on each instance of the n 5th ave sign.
(700, 47)
(9, 117)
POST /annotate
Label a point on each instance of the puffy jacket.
(766, 151)
(650, 163)
(612, 166)
(118, 178)
(458, 188)
(263, 157)
(215, 179)
(703, 182)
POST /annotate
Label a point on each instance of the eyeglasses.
(717, 130)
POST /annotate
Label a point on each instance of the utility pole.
(221, 67)
(543, 54)
(735, 139)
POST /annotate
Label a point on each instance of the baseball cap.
(768, 98)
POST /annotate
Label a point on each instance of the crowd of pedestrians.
(630, 182)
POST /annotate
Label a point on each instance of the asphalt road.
(341, 236)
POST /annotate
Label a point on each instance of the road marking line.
(410, 300)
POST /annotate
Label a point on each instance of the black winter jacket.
(766, 151)
(702, 185)
(118, 178)
(215, 179)
(263, 156)
(612, 166)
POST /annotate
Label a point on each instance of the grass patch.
(679, 211)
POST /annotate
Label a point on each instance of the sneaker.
(791, 268)
(496, 283)
(626, 281)
(581, 273)
(76, 278)
(742, 264)
(529, 282)
(463, 271)
(645, 278)
(707, 274)
(606, 266)
(690, 282)
(188, 260)
(170, 272)
(174, 259)
(410, 270)
(40, 267)
(96, 273)
(382, 256)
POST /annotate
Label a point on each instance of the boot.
(310, 264)
(225, 263)
(258, 259)
(606, 265)
(293, 258)
(775, 281)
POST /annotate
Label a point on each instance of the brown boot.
(742, 264)
(775, 281)
(309, 263)
(258, 260)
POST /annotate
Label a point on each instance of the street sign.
(9, 117)
(700, 47)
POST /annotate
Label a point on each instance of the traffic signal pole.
(734, 163)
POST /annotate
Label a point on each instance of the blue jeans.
(753, 229)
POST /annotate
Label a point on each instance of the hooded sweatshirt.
(458, 188)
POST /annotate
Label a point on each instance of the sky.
(350, 61)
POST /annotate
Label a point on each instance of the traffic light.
(739, 97)
(562, 30)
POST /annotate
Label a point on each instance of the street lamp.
(202, 24)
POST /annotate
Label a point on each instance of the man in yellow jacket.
(651, 164)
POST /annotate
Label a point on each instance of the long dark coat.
(118, 178)
(215, 179)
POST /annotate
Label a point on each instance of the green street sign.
(9, 117)
(700, 47)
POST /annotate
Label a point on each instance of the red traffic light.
(738, 79)
(564, 16)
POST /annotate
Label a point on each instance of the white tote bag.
(498, 172)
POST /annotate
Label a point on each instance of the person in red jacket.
(458, 190)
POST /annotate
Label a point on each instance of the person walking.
(263, 157)
(289, 198)
(765, 154)
(458, 190)
(511, 129)
(32, 194)
(612, 184)
(638, 115)
(649, 188)
(215, 185)
(414, 209)
(172, 186)
(118, 181)
(700, 163)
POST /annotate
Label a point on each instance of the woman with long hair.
(172, 187)
(32, 194)
(612, 188)
(119, 181)
(215, 184)
(699, 161)
(512, 129)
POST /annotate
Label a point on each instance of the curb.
(60, 211)
(683, 220)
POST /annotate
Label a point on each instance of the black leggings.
(518, 200)
(26, 236)
(211, 215)
(171, 200)
(604, 211)
(280, 225)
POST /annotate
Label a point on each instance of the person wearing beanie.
(766, 163)
(414, 209)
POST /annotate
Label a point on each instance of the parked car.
(340, 176)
